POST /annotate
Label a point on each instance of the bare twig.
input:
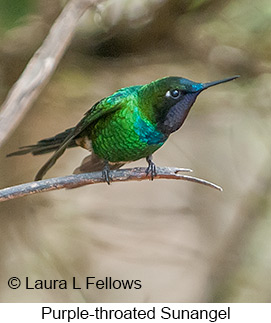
(73, 181)
(41, 66)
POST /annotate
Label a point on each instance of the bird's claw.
(151, 169)
(106, 174)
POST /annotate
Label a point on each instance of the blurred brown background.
(185, 242)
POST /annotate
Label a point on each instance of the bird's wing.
(103, 107)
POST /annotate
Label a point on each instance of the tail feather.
(45, 146)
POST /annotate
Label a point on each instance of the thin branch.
(41, 66)
(121, 175)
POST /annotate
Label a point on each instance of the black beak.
(209, 84)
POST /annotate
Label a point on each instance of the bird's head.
(167, 101)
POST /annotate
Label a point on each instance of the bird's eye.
(175, 93)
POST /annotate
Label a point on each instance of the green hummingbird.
(128, 125)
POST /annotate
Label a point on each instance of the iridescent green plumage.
(128, 125)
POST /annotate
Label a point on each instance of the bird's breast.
(146, 131)
(125, 136)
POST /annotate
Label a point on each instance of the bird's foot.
(151, 169)
(106, 174)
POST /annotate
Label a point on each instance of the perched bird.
(128, 125)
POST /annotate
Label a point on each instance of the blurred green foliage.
(12, 11)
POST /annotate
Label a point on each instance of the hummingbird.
(126, 126)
